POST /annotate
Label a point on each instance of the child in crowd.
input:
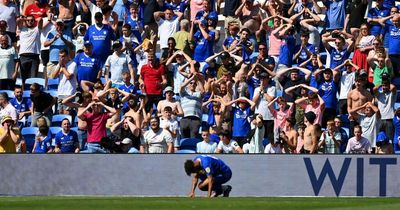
(42, 141)
(170, 124)
(206, 146)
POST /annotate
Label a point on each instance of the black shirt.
(230, 7)
(41, 101)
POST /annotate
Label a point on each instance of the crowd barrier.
(164, 175)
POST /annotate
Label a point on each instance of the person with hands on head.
(96, 125)
(127, 131)
(212, 173)
(381, 65)
(9, 135)
(338, 53)
(369, 121)
(204, 40)
(313, 103)
(347, 80)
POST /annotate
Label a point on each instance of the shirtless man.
(82, 125)
(169, 101)
(310, 134)
(248, 13)
(290, 138)
(356, 98)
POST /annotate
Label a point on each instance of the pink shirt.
(195, 6)
(280, 118)
(96, 126)
(274, 45)
(317, 111)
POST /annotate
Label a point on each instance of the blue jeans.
(94, 148)
(82, 137)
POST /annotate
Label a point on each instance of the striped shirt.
(191, 104)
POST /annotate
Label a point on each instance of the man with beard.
(156, 139)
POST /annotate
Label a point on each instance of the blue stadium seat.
(56, 120)
(29, 133)
(53, 93)
(10, 93)
(26, 94)
(189, 143)
(52, 84)
(396, 82)
(396, 105)
(265, 142)
(54, 131)
(74, 129)
(28, 121)
(347, 130)
(185, 151)
(30, 81)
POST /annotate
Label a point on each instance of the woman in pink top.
(282, 114)
(313, 103)
(196, 6)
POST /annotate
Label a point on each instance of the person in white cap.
(171, 102)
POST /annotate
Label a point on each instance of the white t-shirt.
(29, 40)
(206, 147)
(346, 82)
(93, 10)
(262, 105)
(228, 148)
(166, 29)
(9, 110)
(7, 62)
(386, 104)
(9, 14)
(178, 77)
(171, 124)
(269, 149)
(118, 65)
(156, 142)
(43, 34)
(370, 126)
(68, 87)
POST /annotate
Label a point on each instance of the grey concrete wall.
(163, 175)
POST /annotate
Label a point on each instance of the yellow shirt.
(8, 145)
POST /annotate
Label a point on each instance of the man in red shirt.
(152, 80)
(96, 125)
(37, 9)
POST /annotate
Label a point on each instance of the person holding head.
(394, 40)
(358, 144)
(156, 139)
(96, 124)
(66, 71)
(382, 67)
(167, 25)
(310, 134)
(10, 136)
(176, 109)
(347, 80)
(363, 44)
(338, 53)
(243, 46)
(313, 102)
(66, 141)
(204, 40)
(386, 98)
(330, 140)
(100, 35)
(304, 50)
(129, 133)
(228, 145)
(369, 121)
(292, 81)
(9, 64)
(191, 101)
(212, 172)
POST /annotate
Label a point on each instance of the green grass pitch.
(174, 203)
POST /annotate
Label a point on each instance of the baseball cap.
(88, 43)
(6, 118)
(169, 88)
(126, 141)
(213, 16)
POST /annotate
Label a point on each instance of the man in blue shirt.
(204, 41)
(212, 172)
(88, 66)
(66, 140)
(374, 14)
(22, 105)
(394, 40)
(100, 35)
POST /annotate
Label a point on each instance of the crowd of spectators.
(240, 76)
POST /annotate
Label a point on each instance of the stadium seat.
(396, 82)
(265, 142)
(75, 129)
(52, 84)
(29, 133)
(189, 143)
(54, 131)
(185, 151)
(347, 130)
(396, 105)
(28, 121)
(10, 93)
(30, 81)
(26, 94)
(57, 119)
(53, 93)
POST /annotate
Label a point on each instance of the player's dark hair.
(189, 167)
